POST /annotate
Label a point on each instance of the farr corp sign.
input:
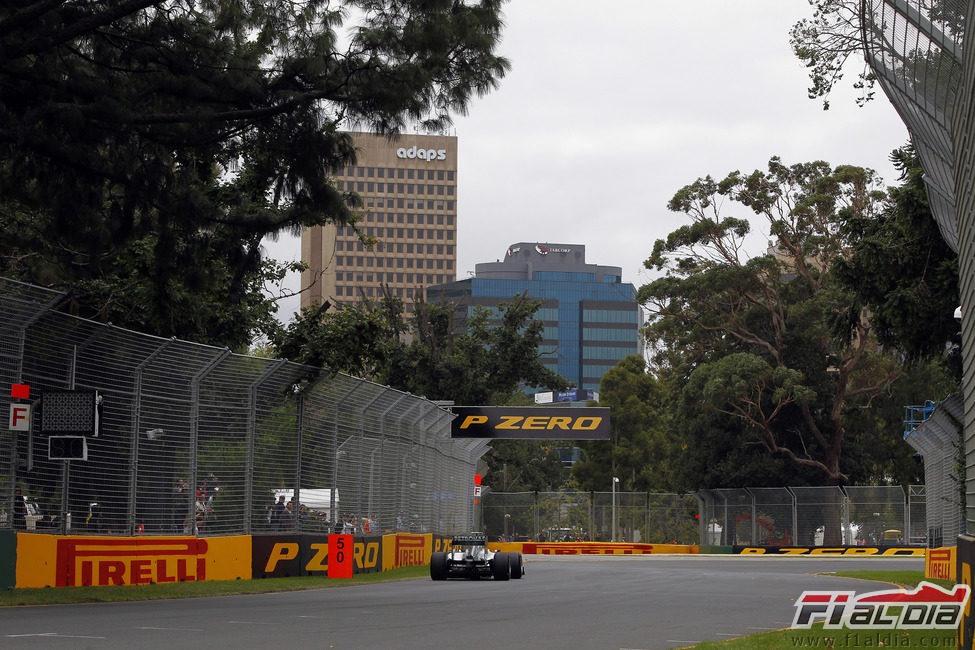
(423, 154)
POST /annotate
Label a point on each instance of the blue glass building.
(590, 316)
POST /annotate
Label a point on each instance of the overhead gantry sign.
(530, 422)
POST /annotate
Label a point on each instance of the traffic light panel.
(67, 448)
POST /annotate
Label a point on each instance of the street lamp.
(507, 517)
(613, 536)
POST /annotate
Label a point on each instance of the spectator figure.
(288, 521)
(179, 503)
(278, 513)
(20, 510)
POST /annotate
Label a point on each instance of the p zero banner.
(530, 422)
(830, 550)
(279, 556)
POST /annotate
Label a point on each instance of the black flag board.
(530, 422)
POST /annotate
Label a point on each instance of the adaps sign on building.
(530, 422)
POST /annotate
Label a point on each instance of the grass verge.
(817, 637)
(73, 595)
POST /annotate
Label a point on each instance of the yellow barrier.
(592, 548)
(940, 563)
(49, 561)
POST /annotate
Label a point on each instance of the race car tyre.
(438, 566)
(500, 566)
(514, 561)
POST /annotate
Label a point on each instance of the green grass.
(72, 595)
(817, 637)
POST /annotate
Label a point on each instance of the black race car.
(469, 557)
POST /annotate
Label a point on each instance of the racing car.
(469, 557)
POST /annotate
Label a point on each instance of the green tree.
(903, 272)
(756, 337)
(147, 148)
(359, 339)
(639, 448)
(485, 364)
(834, 33)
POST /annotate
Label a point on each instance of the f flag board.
(530, 422)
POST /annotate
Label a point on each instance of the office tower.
(409, 190)
(591, 317)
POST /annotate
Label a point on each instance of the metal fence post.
(251, 434)
(137, 425)
(195, 433)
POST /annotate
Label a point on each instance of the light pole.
(613, 536)
(507, 518)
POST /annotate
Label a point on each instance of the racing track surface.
(568, 602)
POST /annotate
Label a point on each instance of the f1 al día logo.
(927, 607)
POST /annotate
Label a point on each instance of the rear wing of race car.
(469, 540)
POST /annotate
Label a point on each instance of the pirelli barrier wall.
(40, 560)
(859, 551)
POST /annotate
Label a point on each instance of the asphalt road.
(561, 603)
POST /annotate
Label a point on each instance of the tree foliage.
(901, 269)
(770, 341)
(825, 42)
(147, 148)
(486, 364)
(834, 33)
(640, 439)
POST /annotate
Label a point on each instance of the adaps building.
(409, 190)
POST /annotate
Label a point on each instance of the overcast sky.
(610, 108)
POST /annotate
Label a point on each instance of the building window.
(410, 173)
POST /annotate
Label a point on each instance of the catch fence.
(786, 516)
(197, 440)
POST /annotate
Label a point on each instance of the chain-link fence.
(813, 516)
(197, 440)
(589, 516)
(936, 435)
(915, 50)
(786, 516)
